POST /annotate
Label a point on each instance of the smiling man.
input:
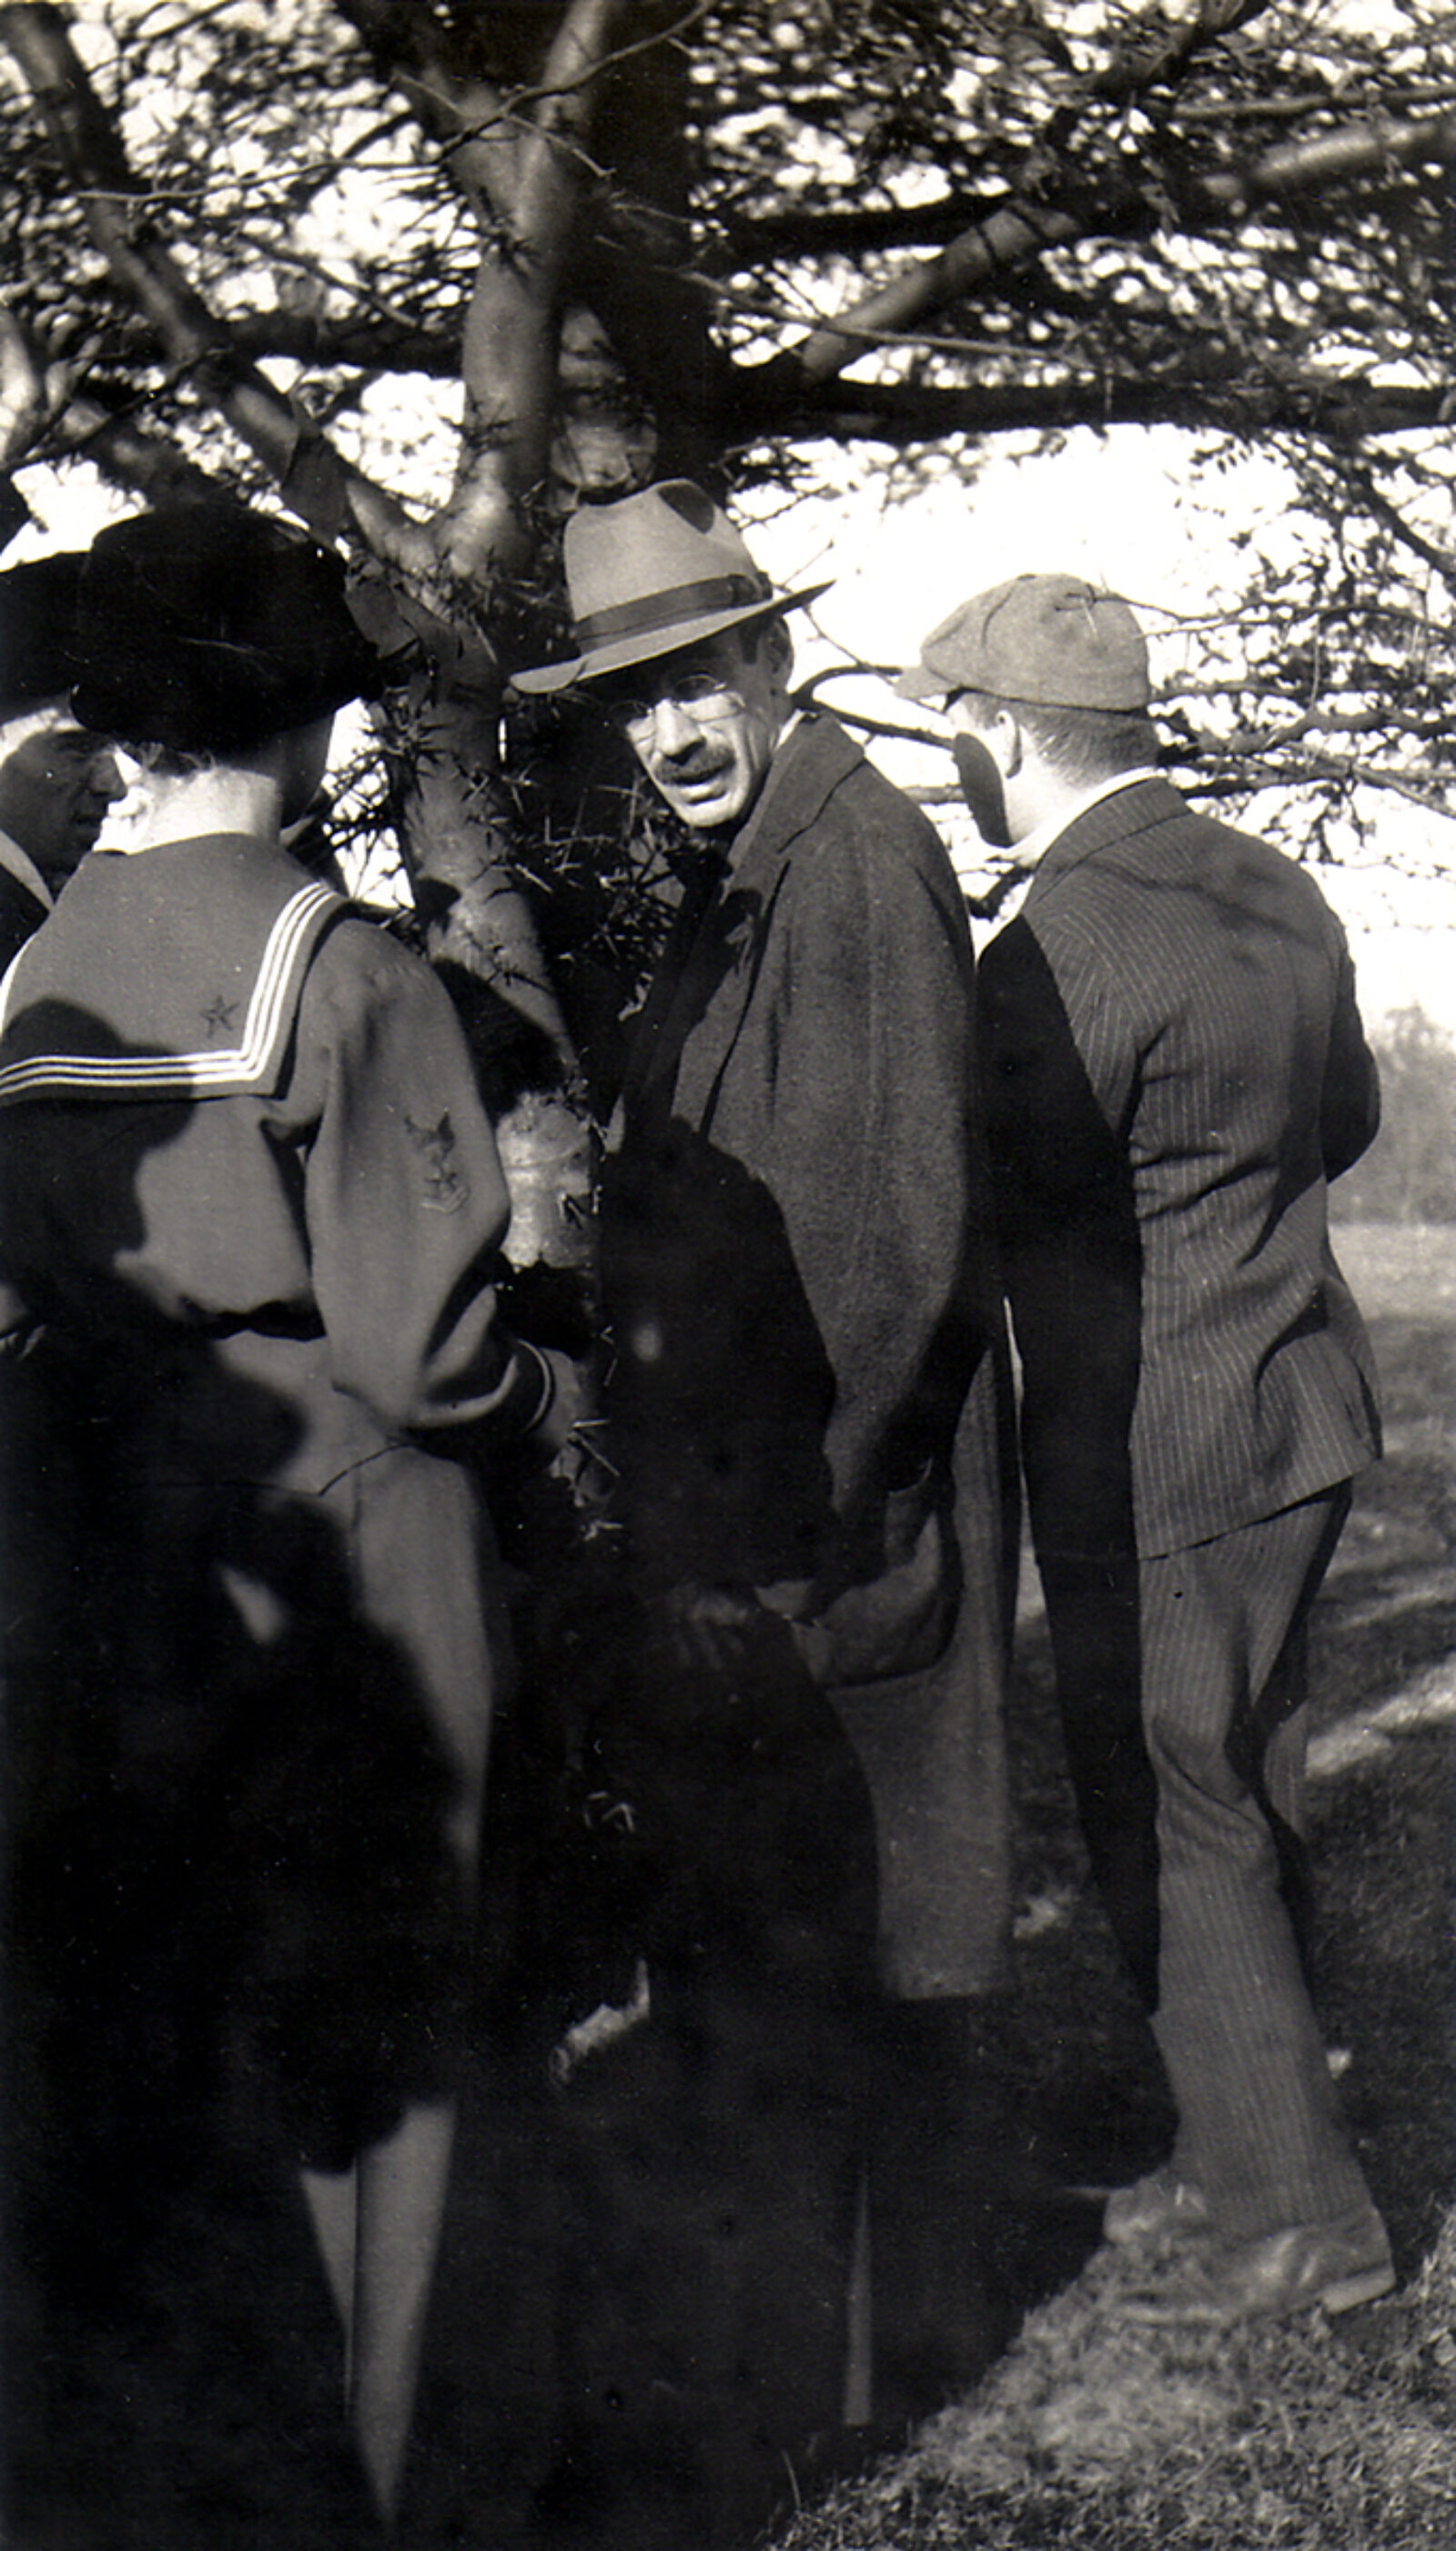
(807, 1347)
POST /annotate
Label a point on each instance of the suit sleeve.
(1060, 1074)
(405, 1201)
(1349, 1113)
(1066, 1218)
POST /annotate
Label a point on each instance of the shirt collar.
(1032, 845)
(24, 869)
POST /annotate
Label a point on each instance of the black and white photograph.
(727, 1276)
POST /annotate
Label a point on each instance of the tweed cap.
(210, 628)
(1052, 640)
(649, 574)
(38, 611)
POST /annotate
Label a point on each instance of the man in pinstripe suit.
(1174, 1068)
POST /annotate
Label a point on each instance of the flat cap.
(1052, 640)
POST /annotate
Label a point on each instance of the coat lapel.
(708, 974)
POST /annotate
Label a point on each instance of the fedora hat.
(1050, 641)
(649, 574)
(37, 610)
(209, 628)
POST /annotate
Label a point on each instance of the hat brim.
(619, 653)
(920, 683)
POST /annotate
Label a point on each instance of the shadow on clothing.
(236, 1938)
(643, 2304)
(1067, 1221)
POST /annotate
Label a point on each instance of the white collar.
(1032, 845)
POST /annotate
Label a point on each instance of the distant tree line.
(1408, 1175)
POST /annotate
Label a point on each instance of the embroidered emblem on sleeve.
(444, 1189)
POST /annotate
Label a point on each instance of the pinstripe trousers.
(1223, 1635)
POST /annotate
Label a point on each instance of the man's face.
(703, 723)
(56, 784)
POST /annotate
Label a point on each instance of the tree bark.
(329, 491)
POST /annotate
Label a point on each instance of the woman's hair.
(168, 760)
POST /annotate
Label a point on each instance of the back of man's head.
(1081, 746)
(1068, 661)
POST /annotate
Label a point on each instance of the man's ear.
(1005, 743)
(775, 649)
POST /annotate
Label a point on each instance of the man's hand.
(571, 1405)
(706, 1623)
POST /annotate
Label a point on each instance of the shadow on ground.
(1070, 2101)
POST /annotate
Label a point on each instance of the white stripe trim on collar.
(182, 1074)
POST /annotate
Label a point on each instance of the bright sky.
(1119, 509)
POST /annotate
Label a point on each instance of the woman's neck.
(223, 799)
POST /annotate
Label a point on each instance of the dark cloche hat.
(38, 612)
(210, 628)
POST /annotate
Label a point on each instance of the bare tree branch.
(22, 391)
(324, 489)
(1356, 150)
(1022, 231)
(510, 336)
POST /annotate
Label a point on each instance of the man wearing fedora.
(251, 1215)
(805, 1328)
(56, 781)
(1174, 1070)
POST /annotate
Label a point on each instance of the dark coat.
(22, 909)
(804, 1312)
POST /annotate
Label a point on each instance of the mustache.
(693, 765)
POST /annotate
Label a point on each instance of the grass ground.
(1308, 2435)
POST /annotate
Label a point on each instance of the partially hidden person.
(57, 780)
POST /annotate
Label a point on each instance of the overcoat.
(25, 898)
(805, 1317)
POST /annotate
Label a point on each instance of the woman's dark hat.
(209, 629)
(38, 612)
(649, 574)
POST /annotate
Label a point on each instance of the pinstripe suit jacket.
(1174, 1070)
